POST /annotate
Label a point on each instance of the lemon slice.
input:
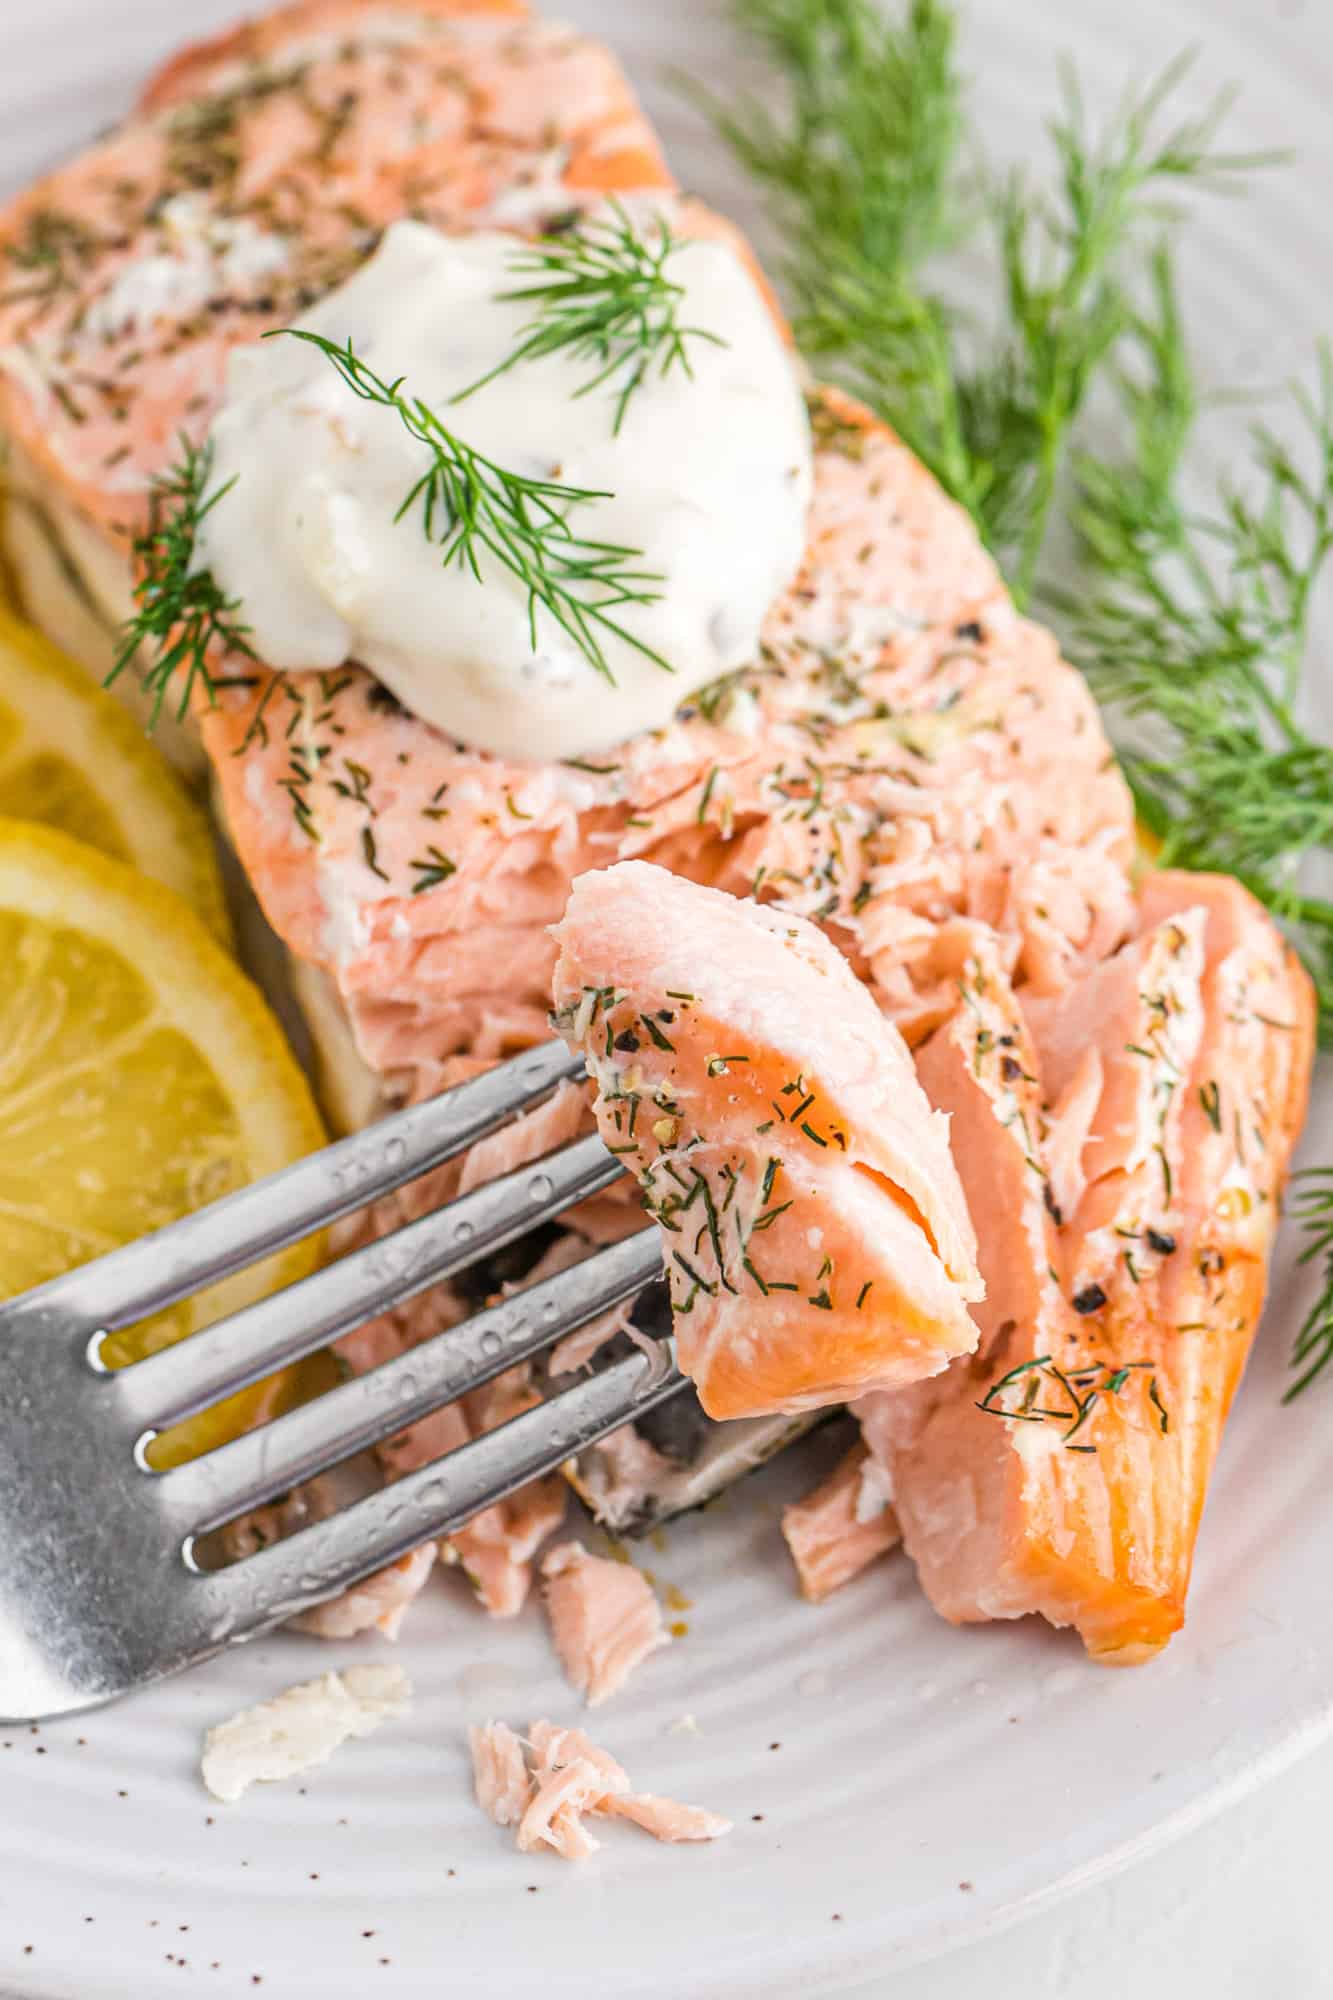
(72, 758)
(141, 1075)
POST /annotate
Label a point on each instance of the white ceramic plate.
(897, 1786)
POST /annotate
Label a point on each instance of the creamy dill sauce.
(710, 476)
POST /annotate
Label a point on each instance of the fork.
(102, 1585)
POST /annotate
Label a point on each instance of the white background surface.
(1238, 1906)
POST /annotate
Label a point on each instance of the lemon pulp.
(73, 759)
(141, 1075)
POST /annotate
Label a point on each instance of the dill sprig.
(600, 290)
(1192, 629)
(1312, 1204)
(859, 164)
(1069, 257)
(183, 620)
(862, 170)
(472, 507)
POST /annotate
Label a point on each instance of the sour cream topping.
(708, 476)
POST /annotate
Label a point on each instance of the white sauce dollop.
(710, 477)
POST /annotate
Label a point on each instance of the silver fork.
(101, 1584)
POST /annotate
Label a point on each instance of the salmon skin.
(1063, 1468)
(908, 764)
(772, 1117)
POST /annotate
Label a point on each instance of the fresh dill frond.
(861, 167)
(184, 620)
(859, 164)
(861, 156)
(473, 508)
(1070, 256)
(1312, 1205)
(600, 289)
(1193, 630)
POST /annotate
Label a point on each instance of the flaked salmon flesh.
(604, 1617)
(841, 1526)
(565, 1779)
(908, 764)
(1063, 1469)
(816, 1238)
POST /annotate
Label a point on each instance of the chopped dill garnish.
(473, 508)
(370, 854)
(432, 868)
(1080, 1388)
(50, 248)
(601, 291)
(655, 1035)
(182, 616)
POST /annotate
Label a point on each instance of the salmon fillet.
(1063, 1468)
(908, 763)
(906, 760)
(772, 1116)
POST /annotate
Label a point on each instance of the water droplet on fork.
(539, 1187)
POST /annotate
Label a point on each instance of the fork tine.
(318, 1562)
(239, 1350)
(254, 1468)
(156, 1271)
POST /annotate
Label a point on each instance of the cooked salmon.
(842, 1526)
(604, 1616)
(499, 1772)
(773, 1119)
(907, 764)
(1063, 1468)
(379, 1604)
(568, 1777)
(907, 758)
